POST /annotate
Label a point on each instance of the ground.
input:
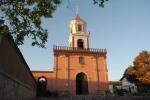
(80, 97)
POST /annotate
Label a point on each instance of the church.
(78, 69)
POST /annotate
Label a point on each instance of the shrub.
(55, 93)
(47, 93)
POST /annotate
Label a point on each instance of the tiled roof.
(77, 18)
(115, 82)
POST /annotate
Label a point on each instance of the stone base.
(12, 89)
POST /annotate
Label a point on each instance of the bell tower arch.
(78, 37)
(80, 44)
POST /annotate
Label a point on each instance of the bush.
(107, 91)
(135, 94)
(47, 93)
(55, 93)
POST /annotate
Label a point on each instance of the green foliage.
(4, 30)
(55, 93)
(25, 16)
(47, 93)
(139, 73)
(100, 2)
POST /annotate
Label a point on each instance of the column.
(82, 28)
(87, 43)
(67, 73)
(76, 27)
(96, 72)
(55, 71)
(72, 42)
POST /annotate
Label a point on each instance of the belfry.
(78, 69)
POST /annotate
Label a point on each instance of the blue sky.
(122, 27)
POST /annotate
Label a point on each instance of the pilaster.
(87, 42)
(96, 72)
(76, 27)
(72, 41)
(55, 71)
(106, 71)
(82, 28)
(67, 72)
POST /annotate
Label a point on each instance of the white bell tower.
(78, 37)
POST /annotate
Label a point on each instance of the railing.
(78, 49)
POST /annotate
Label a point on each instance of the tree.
(24, 18)
(100, 2)
(140, 71)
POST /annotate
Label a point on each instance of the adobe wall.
(16, 79)
(93, 67)
(102, 73)
(47, 74)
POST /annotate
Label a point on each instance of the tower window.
(81, 60)
(80, 43)
(79, 27)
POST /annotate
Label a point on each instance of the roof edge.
(40, 71)
(122, 78)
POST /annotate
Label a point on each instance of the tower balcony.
(78, 50)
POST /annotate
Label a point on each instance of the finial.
(77, 10)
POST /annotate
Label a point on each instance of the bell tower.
(78, 37)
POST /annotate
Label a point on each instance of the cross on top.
(77, 9)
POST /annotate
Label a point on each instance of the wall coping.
(36, 71)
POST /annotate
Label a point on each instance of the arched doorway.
(81, 84)
(41, 86)
(80, 44)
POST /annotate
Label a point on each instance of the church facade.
(77, 68)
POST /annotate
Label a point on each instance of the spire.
(77, 14)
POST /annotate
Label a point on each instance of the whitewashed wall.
(126, 84)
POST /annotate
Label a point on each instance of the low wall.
(12, 89)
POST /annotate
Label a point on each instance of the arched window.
(81, 60)
(79, 27)
(42, 79)
(80, 44)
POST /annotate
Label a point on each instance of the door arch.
(41, 86)
(81, 84)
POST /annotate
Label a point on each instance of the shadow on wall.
(80, 86)
(16, 79)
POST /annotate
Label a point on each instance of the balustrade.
(78, 49)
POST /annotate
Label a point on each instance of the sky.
(122, 27)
